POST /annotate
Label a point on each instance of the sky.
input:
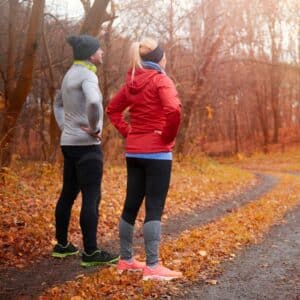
(71, 8)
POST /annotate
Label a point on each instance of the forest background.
(235, 63)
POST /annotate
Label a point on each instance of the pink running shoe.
(135, 265)
(160, 273)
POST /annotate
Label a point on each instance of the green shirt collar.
(86, 64)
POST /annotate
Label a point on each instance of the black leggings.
(82, 172)
(148, 178)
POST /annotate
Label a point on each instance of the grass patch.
(288, 161)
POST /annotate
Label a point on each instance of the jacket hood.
(140, 79)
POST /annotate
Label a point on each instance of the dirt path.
(29, 282)
(186, 221)
(270, 270)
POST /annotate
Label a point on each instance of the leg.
(89, 172)
(134, 197)
(89, 216)
(158, 174)
(64, 205)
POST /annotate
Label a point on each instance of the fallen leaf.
(211, 281)
(76, 298)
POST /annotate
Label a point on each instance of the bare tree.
(19, 94)
(95, 17)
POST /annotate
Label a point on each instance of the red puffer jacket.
(154, 111)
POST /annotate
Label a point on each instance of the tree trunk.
(95, 17)
(86, 6)
(263, 119)
(236, 133)
(41, 127)
(276, 121)
(105, 66)
(186, 115)
(54, 131)
(23, 85)
(11, 51)
(171, 58)
(275, 83)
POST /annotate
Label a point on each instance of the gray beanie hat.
(83, 45)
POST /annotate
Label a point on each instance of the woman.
(154, 111)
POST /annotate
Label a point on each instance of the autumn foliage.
(236, 67)
(198, 253)
(29, 196)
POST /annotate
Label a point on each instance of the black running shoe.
(98, 257)
(64, 251)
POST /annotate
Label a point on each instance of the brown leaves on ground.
(277, 161)
(27, 203)
(218, 241)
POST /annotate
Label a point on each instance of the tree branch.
(57, 21)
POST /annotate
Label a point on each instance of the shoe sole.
(63, 255)
(98, 263)
(157, 277)
(129, 270)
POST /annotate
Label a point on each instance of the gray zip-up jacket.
(79, 103)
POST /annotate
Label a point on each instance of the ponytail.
(135, 59)
(140, 48)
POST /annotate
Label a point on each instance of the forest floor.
(231, 228)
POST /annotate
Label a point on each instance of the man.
(79, 114)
